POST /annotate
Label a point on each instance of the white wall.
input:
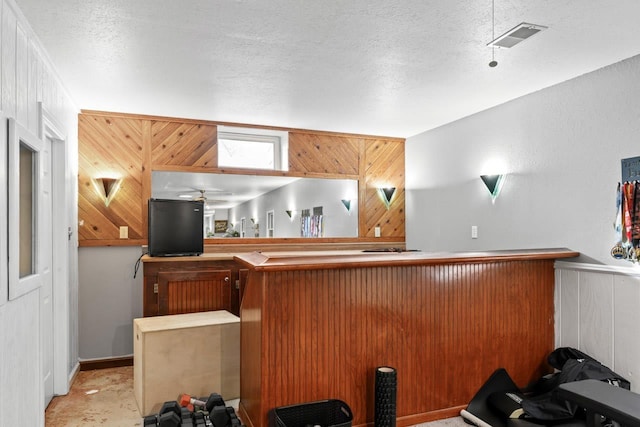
(26, 78)
(562, 147)
(109, 299)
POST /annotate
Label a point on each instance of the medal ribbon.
(628, 190)
(636, 215)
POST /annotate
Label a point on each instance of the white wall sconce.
(107, 188)
(494, 184)
(386, 194)
(347, 204)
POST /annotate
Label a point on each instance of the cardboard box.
(196, 354)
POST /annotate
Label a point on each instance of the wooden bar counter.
(316, 326)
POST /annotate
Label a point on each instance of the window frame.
(17, 136)
(279, 140)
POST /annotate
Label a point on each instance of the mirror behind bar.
(266, 206)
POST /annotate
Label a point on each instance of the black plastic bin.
(323, 413)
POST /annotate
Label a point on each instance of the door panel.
(194, 291)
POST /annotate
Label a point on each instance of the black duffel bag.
(543, 402)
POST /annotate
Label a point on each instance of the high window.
(250, 148)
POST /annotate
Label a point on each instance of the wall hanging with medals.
(627, 222)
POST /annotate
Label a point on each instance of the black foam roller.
(385, 395)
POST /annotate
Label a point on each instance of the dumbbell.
(213, 400)
(198, 419)
(170, 415)
(224, 417)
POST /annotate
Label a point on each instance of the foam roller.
(385, 395)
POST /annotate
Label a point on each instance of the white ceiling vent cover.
(516, 35)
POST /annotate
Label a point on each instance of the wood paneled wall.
(132, 146)
(183, 144)
(110, 147)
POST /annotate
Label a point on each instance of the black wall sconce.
(386, 194)
(347, 204)
(494, 184)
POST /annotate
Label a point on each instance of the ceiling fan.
(200, 195)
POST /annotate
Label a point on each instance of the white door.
(46, 291)
(55, 293)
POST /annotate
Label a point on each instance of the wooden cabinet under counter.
(179, 285)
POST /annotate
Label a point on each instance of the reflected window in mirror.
(270, 223)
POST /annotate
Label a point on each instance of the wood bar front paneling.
(319, 332)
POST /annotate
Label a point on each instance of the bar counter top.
(273, 261)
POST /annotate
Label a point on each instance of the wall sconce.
(107, 188)
(386, 194)
(494, 184)
(347, 204)
(290, 213)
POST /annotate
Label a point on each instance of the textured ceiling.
(382, 67)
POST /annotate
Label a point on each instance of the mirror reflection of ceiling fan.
(200, 194)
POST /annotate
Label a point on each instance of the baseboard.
(73, 375)
(112, 362)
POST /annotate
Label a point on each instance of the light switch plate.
(124, 232)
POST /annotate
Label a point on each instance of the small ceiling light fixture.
(494, 184)
(347, 204)
(386, 194)
(107, 188)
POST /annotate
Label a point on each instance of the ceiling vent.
(516, 35)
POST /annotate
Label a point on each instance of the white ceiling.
(380, 67)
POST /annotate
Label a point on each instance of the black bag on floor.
(544, 403)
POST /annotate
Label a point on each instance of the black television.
(175, 227)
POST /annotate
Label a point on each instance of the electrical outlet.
(474, 231)
(377, 231)
(124, 232)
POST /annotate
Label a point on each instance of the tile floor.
(105, 397)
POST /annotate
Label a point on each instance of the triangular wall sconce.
(107, 188)
(347, 204)
(493, 183)
(386, 194)
(290, 213)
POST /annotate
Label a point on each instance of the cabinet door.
(194, 291)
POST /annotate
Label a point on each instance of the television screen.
(175, 227)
